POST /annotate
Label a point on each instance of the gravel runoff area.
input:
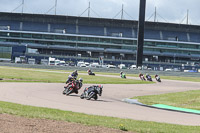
(110, 104)
(16, 124)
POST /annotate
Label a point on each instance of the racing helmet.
(80, 79)
(99, 89)
(100, 86)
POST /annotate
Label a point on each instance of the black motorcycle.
(92, 92)
(91, 73)
(148, 77)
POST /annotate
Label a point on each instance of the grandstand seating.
(70, 29)
(91, 30)
(35, 26)
(194, 37)
(99, 30)
(152, 34)
(115, 31)
(175, 36)
(14, 25)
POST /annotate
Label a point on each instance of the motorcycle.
(142, 78)
(158, 78)
(72, 87)
(92, 92)
(123, 75)
(91, 73)
(149, 78)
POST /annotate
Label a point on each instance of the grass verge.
(180, 78)
(10, 74)
(94, 120)
(187, 99)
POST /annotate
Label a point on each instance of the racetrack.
(110, 104)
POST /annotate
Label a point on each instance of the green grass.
(46, 78)
(56, 76)
(187, 99)
(94, 120)
(180, 78)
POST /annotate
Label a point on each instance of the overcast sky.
(173, 11)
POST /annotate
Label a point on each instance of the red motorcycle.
(73, 87)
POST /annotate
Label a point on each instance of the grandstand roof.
(46, 18)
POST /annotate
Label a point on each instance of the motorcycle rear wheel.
(82, 96)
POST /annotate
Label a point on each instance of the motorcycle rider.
(70, 79)
(89, 71)
(91, 88)
(141, 76)
(157, 77)
(121, 73)
(75, 74)
(148, 76)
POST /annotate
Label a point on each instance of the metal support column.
(140, 41)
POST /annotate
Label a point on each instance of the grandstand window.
(116, 41)
(82, 38)
(58, 43)
(188, 46)
(37, 36)
(48, 36)
(15, 34)
(71, 44)
(91, 39)
(73, 38)
(81, 45)
(27, 41)
(129, 48)
(61, 37)
(105, 40)
(104, 46)
(97, 39)
(130, 42)
(3, 34)
(13, 40)
(92, 45)
(149, 43)
(2, 40)
(42, 42)
(27, 35)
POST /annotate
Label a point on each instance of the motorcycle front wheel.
(95, 97)
(69, 91)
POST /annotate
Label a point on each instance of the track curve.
(110, 104)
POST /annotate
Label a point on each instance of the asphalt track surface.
(109, 104)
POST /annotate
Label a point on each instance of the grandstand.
(65, 37)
